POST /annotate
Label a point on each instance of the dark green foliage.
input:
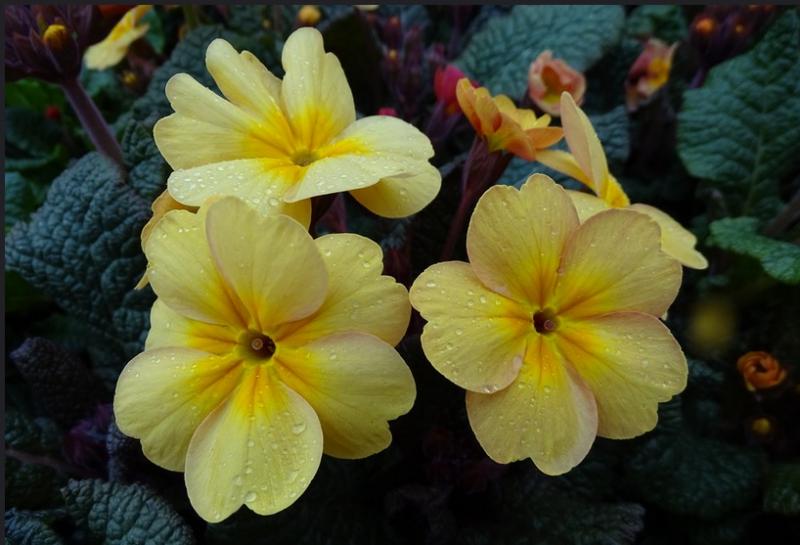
(26, 528)
(59, 381)
(31, 140)
(82, 249)
(665, 22)
(21, 198)
(741, 131)
(117, 514)
(694, 476)
(147, 170)
(498, 56)
(781, 260)
(783, 489)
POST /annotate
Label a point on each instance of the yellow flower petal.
(315, 92)
(547, 414)
(261, 448)
(675, 240)
(247, 83)
(474, 337)
(170, 329)
(565, 163)
(355, 383)
(631, 362)
(359, 298)
(584, 143)
(270, 263)
(403, 195)
(614, 263)
(515, 238)
(162, 396)
(114, 47)
(182, 273)
(261, 183)
(370, 149)
(587, 205)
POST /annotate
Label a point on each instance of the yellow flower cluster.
(268, 348)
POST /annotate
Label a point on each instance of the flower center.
(258, 346)
(545, 321)
(304, 157)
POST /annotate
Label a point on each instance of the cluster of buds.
(402, 65)
(48, 42)
(720, 32)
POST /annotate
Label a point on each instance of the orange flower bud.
(705, 26)
(761, 426)
(548, 78)
(309, 15)
(56, 36)
(760, 370)
(649, 72)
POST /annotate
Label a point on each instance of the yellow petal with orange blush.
(402, 195)
(183, 274)
(260, 448)
(356, 383)
(262, 183)
(675, 240)
(270, 263)
(316, 95)
(564, 163)
(516, 237)
(359, 298)
(547, 414)
(631, 362)
(474, 337)
(162, 395)
(170, 329)
(584, 144)
(161, 205)
(640, 277)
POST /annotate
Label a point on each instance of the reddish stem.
(92, 120)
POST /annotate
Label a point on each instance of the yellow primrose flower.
(266, 349)
(552, 327)
(505, 126)
(276, 144)
(114, 47)
(587, 164)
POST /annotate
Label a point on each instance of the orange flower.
(505, 126)
(760, 370)
(649, 72)
(548, 78)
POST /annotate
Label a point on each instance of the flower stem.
(92, 120)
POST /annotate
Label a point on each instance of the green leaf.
(783, 490)
(34, 95)
(26, 528)
(82, 249)
(32, 140)
(21, 296)
(118, 514)
(780, 260)
(21, 199)
(155, 34)
(147, 170)
(665, 22)
(499, 55)
(741, 130)
(694, 476)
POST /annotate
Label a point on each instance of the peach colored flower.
(548, 78)
(649, 72)
(760, 370)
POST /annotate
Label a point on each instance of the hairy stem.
(92, 120)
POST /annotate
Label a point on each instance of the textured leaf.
(741, 130)
(780, 260)
(612, 129)
(117, 514)
(82, 248)
(498, 56)
(59, 380)
(665, 22)
(700, 477)
(21, 199)
(147, 170)
(32, 140)
(783, 490)
(25, 528)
